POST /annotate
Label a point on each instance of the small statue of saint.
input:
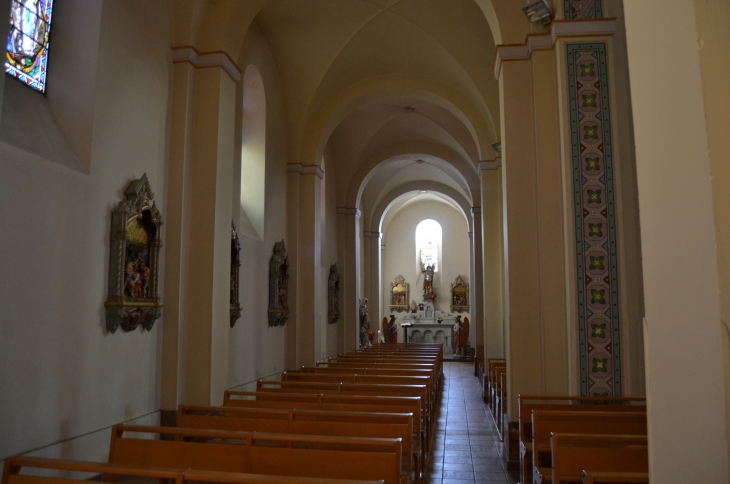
(391, 331)
(428, 283)
(414, 307)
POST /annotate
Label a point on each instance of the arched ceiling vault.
(375, 84)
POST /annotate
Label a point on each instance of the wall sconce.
(497, 146)
(538, 12)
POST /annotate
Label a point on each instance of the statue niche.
(278, 286)
(459, 296)
(235, 268)
(333, 295)
(134, 260)
(399, 294)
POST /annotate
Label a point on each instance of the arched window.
(27, 45)
(428, 245)
(253, 153)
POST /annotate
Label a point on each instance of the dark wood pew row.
(258, 453)
(615, 477)
(407, 369)
(354, 389)
(65, 471)
(324, 376)
(329, 402)
(479, 365)
(574, 453)
(310, 422)
(489, 382)
(527, 404)
(546, 423)
(499, 397)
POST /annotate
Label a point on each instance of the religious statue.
(461, 336)
(364, 324)
(391, 332)
(428, 283)
(414, 308)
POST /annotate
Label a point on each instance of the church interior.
(469, 202)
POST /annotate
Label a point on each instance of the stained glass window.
(26, 56)
(428, 243)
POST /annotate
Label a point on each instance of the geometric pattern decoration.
(582, 9)
(26, 51)
(595, 221)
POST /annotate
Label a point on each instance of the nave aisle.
(465, 444)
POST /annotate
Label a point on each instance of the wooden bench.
(354, 389)
(574, 453)
(255, 453)
(376, 369)
(336, 377)
(309, 422)
(546, 423)
(346, 403)
(615, 477)
(526, 404)
(499, 389)
(65, 472)
(488, 383)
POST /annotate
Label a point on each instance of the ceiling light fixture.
(419, 161)
(538, 12)
(409, 109)
(497, 146)
(424, 191)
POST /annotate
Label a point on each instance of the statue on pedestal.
(391, 331)
(428, 283)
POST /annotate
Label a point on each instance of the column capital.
(305, 170)
(560, 28)
(207, 59)
(470, 234)
(476, 211)
(490, 165)
(349, 211)
(374, 235)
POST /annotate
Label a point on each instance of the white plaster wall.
(256, 349)
(61, 374)
(399, 238)
(684, 367)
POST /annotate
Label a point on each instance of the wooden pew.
(60, 468)
(345, 403)
(615, 477)
(574, 453)
(354, 389)
(526, 404)
(337, 377)
(255, 453)
(546, 423)
(376, 369)
(309, 422)
(491, 364)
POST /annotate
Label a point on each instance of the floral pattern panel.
(583, 9)
(595, 225)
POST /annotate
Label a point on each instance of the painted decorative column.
(595, 220)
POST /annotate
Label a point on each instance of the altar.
(427, 326)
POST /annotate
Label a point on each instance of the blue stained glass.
(26, 51)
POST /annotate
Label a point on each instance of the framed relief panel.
(459, 296)
(134, 260)
(399, 295)
(278, 286)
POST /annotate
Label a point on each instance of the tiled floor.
(465, 448)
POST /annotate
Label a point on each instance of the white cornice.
(560, 28)
(305, 170)
(476, 210)
(490, 165)
(207, 59)
(349, 211)
(373, 235)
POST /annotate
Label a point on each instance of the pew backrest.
(574, 453)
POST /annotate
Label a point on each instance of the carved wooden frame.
(235, 269)
(399, 288)
(333, 295)
(278, 286)
(134, 256)
(459, 288)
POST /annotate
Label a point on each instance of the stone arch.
(463, 173)
(476, 118)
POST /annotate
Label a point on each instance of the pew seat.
(615, 477)
(258, 453)
(60, 471)
(575, 453)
